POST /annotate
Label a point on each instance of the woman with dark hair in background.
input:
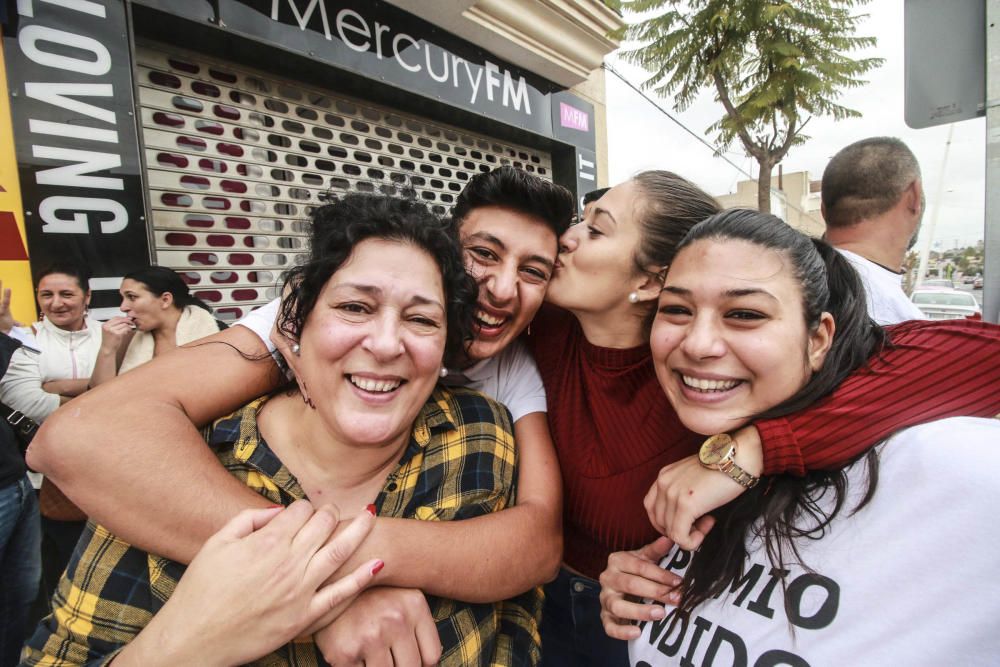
(160, 314)
(864, 553)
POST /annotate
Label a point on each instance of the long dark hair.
(340, 226)
(774, 510)
(160, 280)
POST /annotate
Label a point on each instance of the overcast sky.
(640, 137)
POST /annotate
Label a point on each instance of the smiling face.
(596, 271)
(511, 255)
(372, 346)
(729, 339)
(63, 301)
(143, 307)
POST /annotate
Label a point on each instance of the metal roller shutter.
(236, 160)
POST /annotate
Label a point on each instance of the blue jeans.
(572, 633)
(20, 565)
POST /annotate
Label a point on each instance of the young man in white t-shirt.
(509, 224)
(873, 201)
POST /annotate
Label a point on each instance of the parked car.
(977, 283)
(968, 280)
(945, 304)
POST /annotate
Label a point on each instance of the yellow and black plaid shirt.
(459, 464)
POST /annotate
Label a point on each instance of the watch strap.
(739, 475)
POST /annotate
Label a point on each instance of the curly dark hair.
(516, 189)
(338, 227)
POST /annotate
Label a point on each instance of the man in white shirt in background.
(873, 200)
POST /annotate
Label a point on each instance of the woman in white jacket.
(56, 362)
(43, 374)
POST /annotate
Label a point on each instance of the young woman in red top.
(614, 429)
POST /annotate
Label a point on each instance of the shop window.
(172, 160)
(240, 258)
(192, 143)
(183, 65)
(168, 119)
(226, 111)
(176, 199)
(195, 182)
(187, 103)
(206, 89)
(180, 239)
(203, 258)
(199, 221)
(244, 294)
(216, 203)
(224, 277)
(214, 166)
(165, 80)
(220, 240)
(235, 222)
(272, 104)
(221, 75)
(270, 225)
(239, 97)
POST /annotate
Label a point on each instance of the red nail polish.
(271, 507)
(377, 567)
(371, 509)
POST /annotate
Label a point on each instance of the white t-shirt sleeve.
(261, 321)
(520, 387)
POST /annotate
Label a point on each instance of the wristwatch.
(719, 453)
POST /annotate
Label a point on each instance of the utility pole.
(991, 253)
(925, 251)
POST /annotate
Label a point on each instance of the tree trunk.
(764, 186)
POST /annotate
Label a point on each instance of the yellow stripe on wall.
(15, 273)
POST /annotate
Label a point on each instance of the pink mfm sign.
(573, 118)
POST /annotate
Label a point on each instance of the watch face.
(716, 449)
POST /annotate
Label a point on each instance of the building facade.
(794, 198)
(199, 135)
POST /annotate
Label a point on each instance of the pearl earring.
(295, 349)
(633, 297)
(444, 372)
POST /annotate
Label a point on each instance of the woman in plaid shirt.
(381, 304)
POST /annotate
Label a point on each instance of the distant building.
(794, 198)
